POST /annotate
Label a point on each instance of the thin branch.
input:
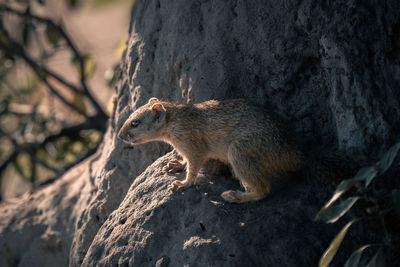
(7, 161)
(43, 20)
(19, 169)
(68, 166)
(33, 169)
(97, 121)
(45, 165)
(71, 131)
(20, 51)
(13, 155)
(55, 76)
(49, 85)
(70, 43)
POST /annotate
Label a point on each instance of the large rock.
(153, 226)
(331, 69)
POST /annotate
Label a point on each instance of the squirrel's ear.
(158, 112)
(153, 99)
(158, 107)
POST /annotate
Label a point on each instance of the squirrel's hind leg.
(241, 197)
(248, 168)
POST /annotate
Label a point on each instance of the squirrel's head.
(144, 124)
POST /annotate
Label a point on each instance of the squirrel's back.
(219, 124)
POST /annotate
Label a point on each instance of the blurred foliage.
(376, 204)
(47, 122)
(88, 62)
(111, 74)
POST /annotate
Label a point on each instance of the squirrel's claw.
(174, 166)
(177, 186)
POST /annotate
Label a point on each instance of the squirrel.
(236, 132)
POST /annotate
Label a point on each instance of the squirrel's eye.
(135, 123)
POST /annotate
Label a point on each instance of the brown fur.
(233, 131)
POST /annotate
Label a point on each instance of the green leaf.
(330, 252)
(53, 34)
(120, 48)
(378, 260)
(355, 257)
(388, 158)
(78, 100)
(341, 189)
(332, 213)
(110, 78)
(23, 165)
(89, 64)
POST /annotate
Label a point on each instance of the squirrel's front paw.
(177, 186)
(174, 166)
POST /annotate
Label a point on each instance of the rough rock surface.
(199, 229)
(330, 68)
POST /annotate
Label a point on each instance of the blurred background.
(58, 61)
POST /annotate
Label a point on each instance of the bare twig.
(69, 131)
(7, 161)
(31, 149)
(48, 84)
(44, 73)
(67, 167)
(72, 131)
(33, 168)
(20, 51)
(55, 76)
(70, 43)
(47, 166)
